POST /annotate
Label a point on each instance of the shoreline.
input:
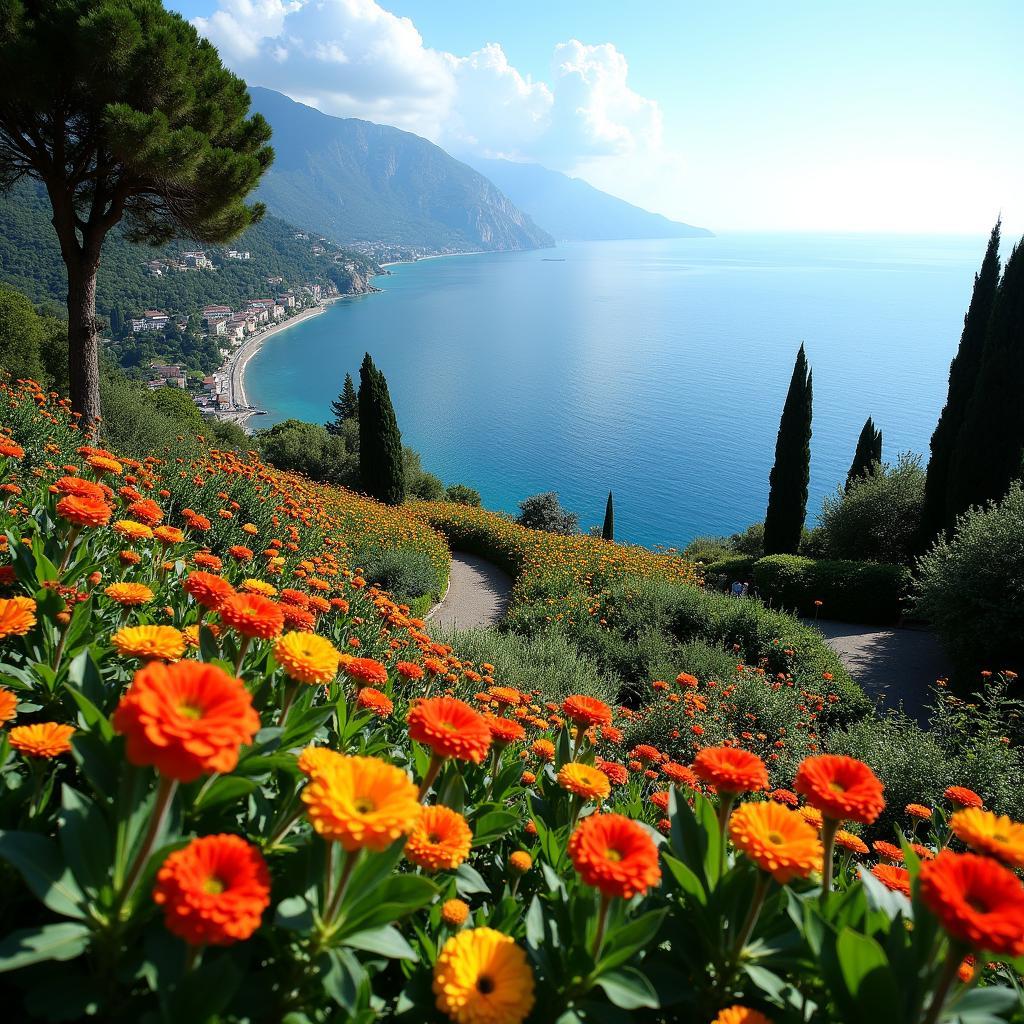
(442, 256)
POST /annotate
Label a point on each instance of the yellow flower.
(482, 977)
(44, 739)
(361, 802)
(776, 839)
(994, 834)
(454, 913)
(313, 759)
(150, 642)
(132, 530)
(440, 841)
(584, 781)
(259, 587)
(307, 658)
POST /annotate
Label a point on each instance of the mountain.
(572, 210)
(358, 182)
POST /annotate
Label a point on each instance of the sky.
(812, 115)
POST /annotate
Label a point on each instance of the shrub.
(878, 518)
(460, 494)
(544, 512)
(419, 483)
(405, 572)
(308, 448)
(707, 549)
(849, 591)
(731, 568)
(972, 587)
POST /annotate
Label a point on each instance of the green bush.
(972, 587)
(733, 567)
(308, 448)
(707, 549)
(460, 494)
(849, 591)
(407, 573)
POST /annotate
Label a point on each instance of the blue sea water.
(654, 369)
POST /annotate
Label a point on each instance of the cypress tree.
(869, 451)
(989, 449)
(344, 407)
(116, 322)
(791, 474)
(936, 516)
(608, 530)
(380, 443)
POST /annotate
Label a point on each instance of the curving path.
(478, 594)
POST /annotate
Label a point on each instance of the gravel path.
(478, 593)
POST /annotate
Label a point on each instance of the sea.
(656, 370)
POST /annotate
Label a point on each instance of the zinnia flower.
(129, 594)
(213, 891)
(440, 841)
(84, 511)
(307, 657)
(615, 854)
(483, 977)
(17, 616)
(893, 877)
(451, 728)
(149, 642)
(44, 739)
(586, 711)
(994, 834)
(740, 1015)
(361, 802)
(962, 796)
(365, 671)
(977, 901)
(8, 705)
(186, 719)
(373, 700)
(776, 839)
(584, 781)
(207, 589)
(731, 769)
(842, 788)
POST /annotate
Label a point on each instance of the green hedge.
(734, 567)
(869, 592)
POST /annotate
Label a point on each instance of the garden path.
(478, 594)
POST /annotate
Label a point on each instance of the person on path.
(736, 589)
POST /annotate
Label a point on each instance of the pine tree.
(791, 474)
(936, 516)
(123, 112)
(608, 530)
(868, 453)
(989, 451)
(380, 443)
(344, 407)
(116, 322)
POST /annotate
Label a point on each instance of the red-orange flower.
(252, 616)
(213, 891)
(842, 788)
(8, 705)
(186, 719)
(893, 877)
(440, 841)
(84, 511)
(731, 769)
(977, 901)
(43, 739)
(207, 589)
(373, 700)
(586, 711)
(505, 730)
(615, 854)
(451, 728)
(962, 796)
(365, 671)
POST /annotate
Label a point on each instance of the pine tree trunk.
(84, 345)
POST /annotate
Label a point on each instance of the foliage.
(33, 344)
(345, 406)
(460, 494)
(407, 573)
(308, 448)
(419, 483)
(608, 528)
(545, 512)
(872, 592)
(730, 568)
(749, 543)
(877, 516)
(971, 587)
(790, 476)
(381, 469)
(867, 454)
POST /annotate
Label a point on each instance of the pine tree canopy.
(345, 406)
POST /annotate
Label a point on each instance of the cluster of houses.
(195, 260)
(223, 321)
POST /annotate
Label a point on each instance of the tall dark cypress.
(344, 407)
(989, 452)
(791, 474)
(936, 515)
(608, 530)
(380, 443)
(869, 451)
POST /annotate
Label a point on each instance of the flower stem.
(164, 795)
(725, 803)
(242, 648)
(602, 924)
(289, 697)
(756, 903)
(432, 772)
(829, 827)
(72, 537)
(946, 977)
(339, 894)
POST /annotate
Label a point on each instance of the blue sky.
(807, 115)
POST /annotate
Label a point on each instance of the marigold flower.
(132, 530)
(740, 1015)
(440, 841)
(213, 891)
(451, 728)
(784, 796)
(252, 616)
(544, 749)
(10, 450)
(8, 705)
(207, 589)
(315, 759)
(842, 788)
(812, 816)
(977, 901)
(680, 774)
(365, 671)
(147, 511)
(887, 851)
(409, 670)
(149, 642)
(373, 700)
(776, 839)
(850, 841)
(962, 796)
(520, 862)
(361, 802)
(483, 977)
(731, 769)
(919, 811)
(505, 730)
(454, 913)
(586, 782)
(17, 616)
(617, 774)
(615, 854)
(994, 834)
(893, 877)
(307, 657)
(43, 739)
(586, 711)
(84, 511)
(129, 594)
(186, 719)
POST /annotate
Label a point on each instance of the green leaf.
(492, 826)
(628, 989)
(623, 943)
(386, 941)
(85, 839)
(208, 644)
(469, 881)
(867, 975)
(224, 791)
(342, 976)
(688, 881)
(395, 897)
(43, 869)
(295, 914)
(91, 716)
(62, 941)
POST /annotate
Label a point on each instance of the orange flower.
(740, 1015)
(149, 642)
(129, 594)
(586, 711)
(147, 511)
(615, 855)
(365, 671)
(850, 841)
(996, 835)
(893, 877)
(185, 719)
(776, 839)
(131, 530)
(440, 841)
(584, 781)
(617, 774)
(454, 913)
(8, 706)
(373, 700)
(17, 616)
(360, 802)
(505, 730)
(213, 891)
(962, 796)
(451, 728)
(252, 616)
(977, 901)
(44, 739)
(731, 769)
(207, 589)
(544, 749)
(919, 811)
(10, 450)
(84, 511)
(520, 862)
(680, 774)
(307, 658)
(842, 788)
(79, 488)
